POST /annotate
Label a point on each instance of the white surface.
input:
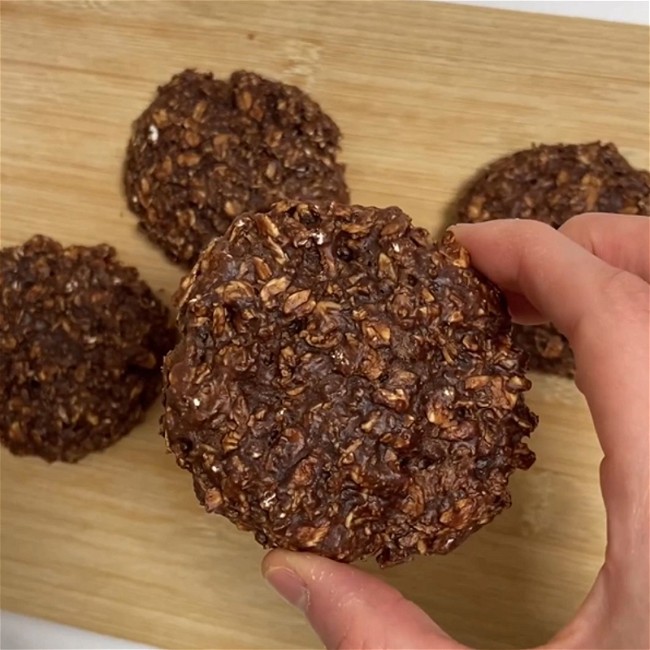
(636, 12)
(24, 633)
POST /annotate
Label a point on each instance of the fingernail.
(289, 586)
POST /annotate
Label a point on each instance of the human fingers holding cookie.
(590, 280)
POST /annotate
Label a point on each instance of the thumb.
(350, 609)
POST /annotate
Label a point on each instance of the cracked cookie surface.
(345, 386)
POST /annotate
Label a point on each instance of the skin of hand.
(590, 279)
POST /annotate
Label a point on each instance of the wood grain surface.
(424, 93)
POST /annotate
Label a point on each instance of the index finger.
(561, 279)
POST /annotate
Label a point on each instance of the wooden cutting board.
(424, 93)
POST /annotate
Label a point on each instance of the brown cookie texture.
(548, 350)
(344, 386)
(552, 183)
(206, 150)
(82, 340)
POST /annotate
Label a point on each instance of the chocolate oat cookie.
(344, 386)
(552, 183)
(206, 150)
(81, 343)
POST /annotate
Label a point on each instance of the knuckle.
(367, 629)
(577, 224)
(356, 640)
(537, 228)
(579, 219)
(620, 300)
(626, 295)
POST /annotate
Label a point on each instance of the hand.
(591, 280)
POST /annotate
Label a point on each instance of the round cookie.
(81, 344)
(552, 183)
(206, 150)
(344, 386)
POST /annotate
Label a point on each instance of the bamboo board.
(424, 93)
